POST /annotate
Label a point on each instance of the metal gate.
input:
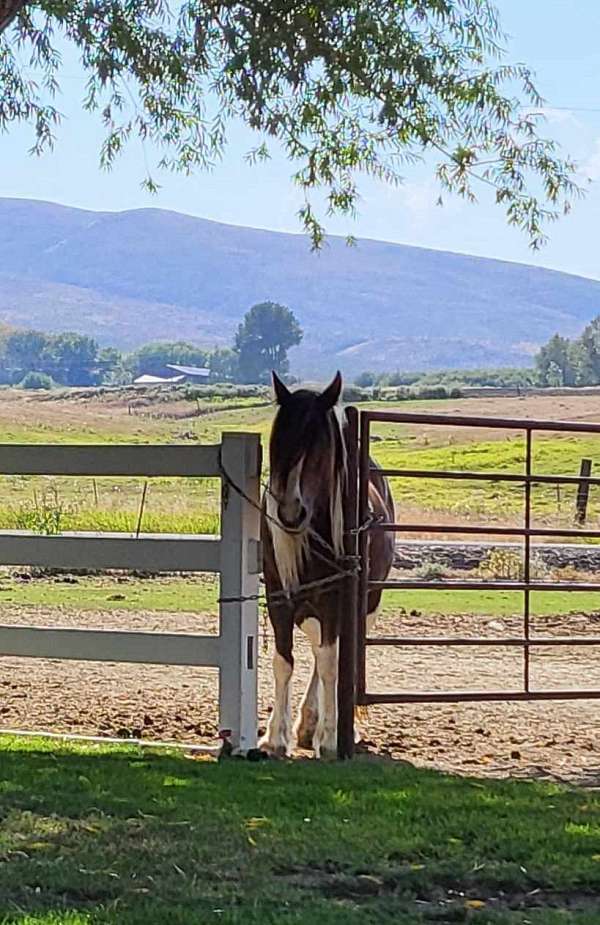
(354, 641)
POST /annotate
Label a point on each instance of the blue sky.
(557, 38)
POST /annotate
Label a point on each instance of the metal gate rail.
(526, 642)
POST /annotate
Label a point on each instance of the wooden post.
(346, 692)
(240, 567)
(583, 491)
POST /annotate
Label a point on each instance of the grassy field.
(199, 594)
(50, 505)
(116, 835)
(172, 505)
(558, 455)
(191, 505)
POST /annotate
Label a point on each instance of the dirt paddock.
(553, 739)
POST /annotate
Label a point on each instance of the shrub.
(507, 564)
(431, 571)
(352, 393)
(501, 564)
(43, 515)
(35, 380)
(431, 392)
(210, 392)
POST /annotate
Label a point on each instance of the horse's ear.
(282, 393)
(330, 396)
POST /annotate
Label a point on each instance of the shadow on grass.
(92, 834)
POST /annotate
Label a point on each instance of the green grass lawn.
(104, 593)
(117, 835)
(172, 505)
(200, 593)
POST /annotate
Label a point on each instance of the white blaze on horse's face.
(292, 511)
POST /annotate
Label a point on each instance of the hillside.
(130, 277)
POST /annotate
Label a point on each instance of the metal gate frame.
(352, 687)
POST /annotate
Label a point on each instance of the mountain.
(148, 274)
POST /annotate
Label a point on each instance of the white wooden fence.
(235, 555)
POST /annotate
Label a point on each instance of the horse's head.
(307, 457)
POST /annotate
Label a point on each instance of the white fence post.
(240, 566)
(236, 556)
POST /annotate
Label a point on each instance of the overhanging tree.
(359, 86)
(8, 11)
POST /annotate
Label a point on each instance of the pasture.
(51, 504)
(113, 834)
(156, 702)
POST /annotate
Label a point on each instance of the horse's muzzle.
(295, 523)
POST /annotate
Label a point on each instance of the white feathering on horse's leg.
(325, 738)
(308, 716)
(277, 739)
(306, 724)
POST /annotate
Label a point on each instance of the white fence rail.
(234, 555)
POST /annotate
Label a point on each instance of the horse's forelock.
(301, 428)
(294, 433)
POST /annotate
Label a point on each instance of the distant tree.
(110, 367)
(555, 376)
(365, 380)
(585, 366)
(24, 352)
(571, 362)
(263, 339)
(554, 363)
(153, 359)
(396, 378)
(71, 359)
(223, 364)
(586, 354)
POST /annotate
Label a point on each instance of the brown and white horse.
(303, 535)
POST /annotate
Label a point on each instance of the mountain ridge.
(144, 274)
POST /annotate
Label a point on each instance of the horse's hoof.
(363, 746)
(304, 740)
(273, 751)
(327, 754)
(257, 754)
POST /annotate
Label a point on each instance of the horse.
(302, 531)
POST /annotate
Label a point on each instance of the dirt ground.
(554, 739)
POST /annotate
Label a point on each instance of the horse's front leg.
(306, 723)
(325, 738)
(278, 737)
